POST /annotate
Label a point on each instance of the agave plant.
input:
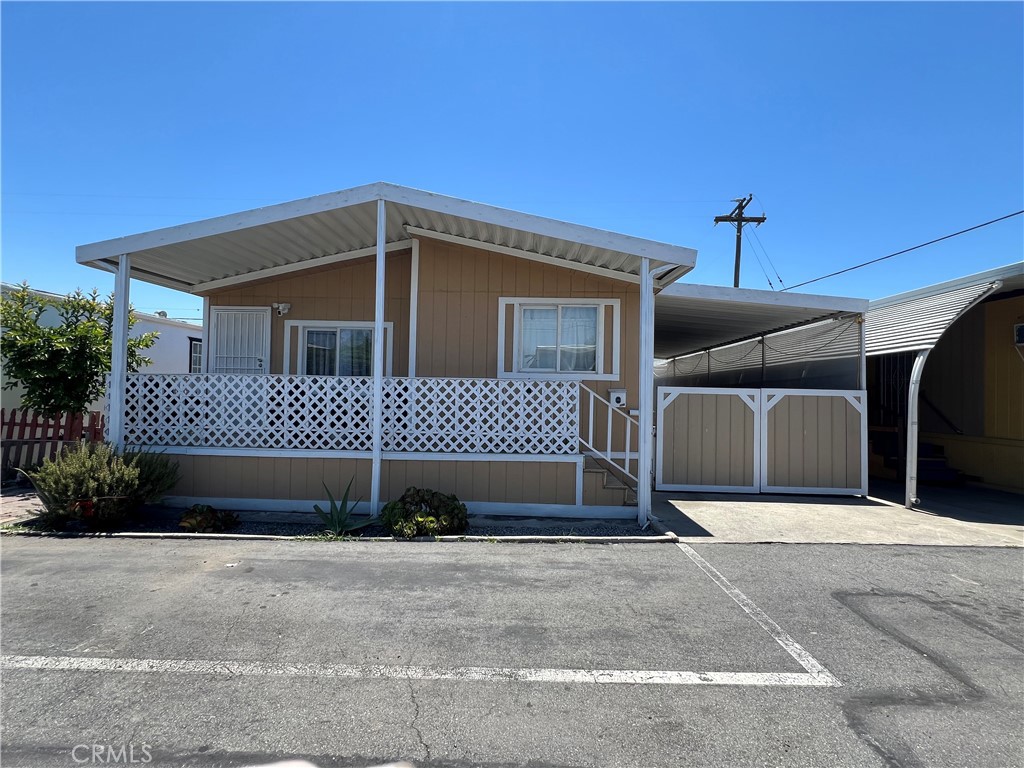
(339, 520)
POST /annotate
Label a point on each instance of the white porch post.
(646, 434)
(119, 352)
(378, 359)
(414, 303)
(912, 418)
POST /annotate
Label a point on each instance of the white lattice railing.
(327, 413)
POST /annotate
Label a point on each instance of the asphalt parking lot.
(348, 654)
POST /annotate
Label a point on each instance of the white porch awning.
(204, 255)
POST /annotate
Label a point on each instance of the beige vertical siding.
(337, 292)
(252, 477)
(526, 482)
(708, 440)
(813, 442)
(458, 310)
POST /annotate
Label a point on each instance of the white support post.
(378, 359)
(205, 368)
(913, 393)
(646, 432)
(414, 302)
(119, 352)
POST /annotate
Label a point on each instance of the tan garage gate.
(761, 440)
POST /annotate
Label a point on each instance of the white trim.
(519, 302)
(298, 266)
(913, 427)
(414, 304)
(554, 458)
(508, 509)
(297, 327)
(119, 352)
(265, 311)
(316, 453)
(207, 336)
(520, 253)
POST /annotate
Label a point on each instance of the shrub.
(202, 518)
(423, 512)
(96, 484)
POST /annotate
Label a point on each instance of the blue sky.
(862, 128)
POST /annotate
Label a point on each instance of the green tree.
(62, 368)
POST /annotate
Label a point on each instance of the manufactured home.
(400, 337)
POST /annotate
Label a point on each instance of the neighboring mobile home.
(946, 379)
(178, 347)
(400, 337)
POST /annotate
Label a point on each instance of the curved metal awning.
(916, 320)
(205, 255)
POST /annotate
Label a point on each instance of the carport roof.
(690, 317)
(915, 320)
(203, 256)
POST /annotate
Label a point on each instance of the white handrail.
(606, 454)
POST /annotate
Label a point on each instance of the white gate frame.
(760, 401)
(772, 397)
(749, 397)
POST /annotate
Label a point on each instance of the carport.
(759, 391)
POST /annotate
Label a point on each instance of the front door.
(240, 339)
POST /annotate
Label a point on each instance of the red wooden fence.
(28, 437)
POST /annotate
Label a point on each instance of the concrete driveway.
(964, 517)
(352, 654)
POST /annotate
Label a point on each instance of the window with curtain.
(560, 338)
(338, 352)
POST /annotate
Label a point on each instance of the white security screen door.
(240, 340)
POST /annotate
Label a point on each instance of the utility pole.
(737, 218)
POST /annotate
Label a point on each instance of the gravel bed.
(478, 526)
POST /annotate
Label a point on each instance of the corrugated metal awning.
(689, 317)
(915, 320)
(198, 256)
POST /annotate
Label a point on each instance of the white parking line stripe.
(803, 658)
(479, 674)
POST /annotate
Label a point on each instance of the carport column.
(378, 359)
(912, 417)
(119, 352)
(645, 439)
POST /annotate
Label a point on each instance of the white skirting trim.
(509, 509)
(297, 453)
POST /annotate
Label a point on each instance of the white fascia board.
(766, 298)
(539, 225)
(232, 222)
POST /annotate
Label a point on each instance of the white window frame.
(193, 358)
(605, 372)
(299, 328)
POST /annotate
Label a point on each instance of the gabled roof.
(915, 320)
(204, 255)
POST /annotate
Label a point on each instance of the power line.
(758, 258)
(764, 212)
(905, 250)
